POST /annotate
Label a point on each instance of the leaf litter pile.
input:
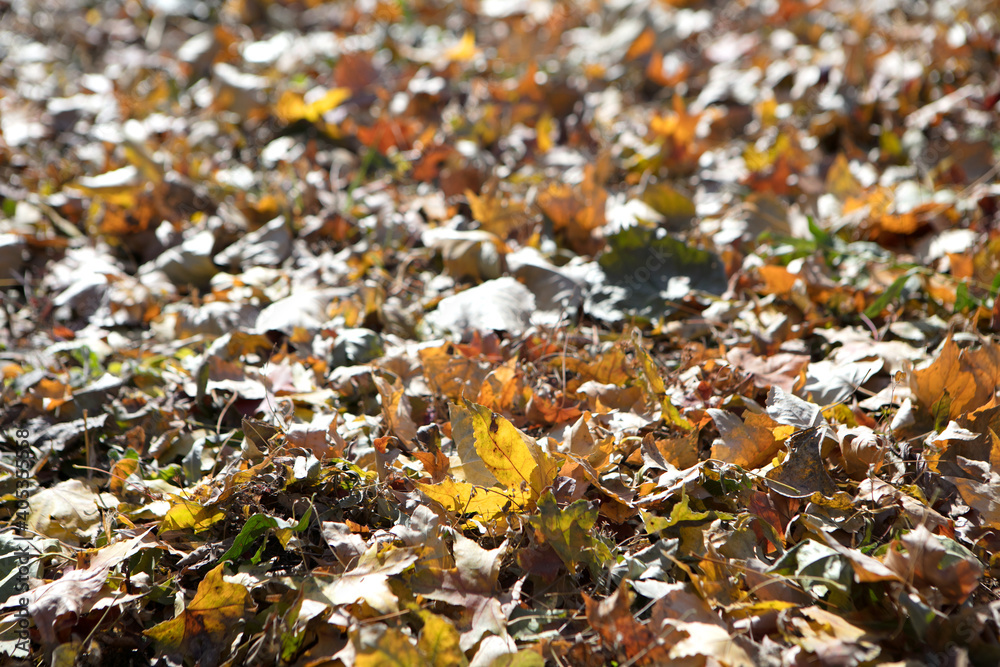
(499, 333)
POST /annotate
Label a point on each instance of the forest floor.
(499, 333)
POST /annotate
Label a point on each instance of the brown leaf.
(436, 464)
(803, 473)
(863, 450)
(450, 373)
(678, 452)
(957, 381)
(499, 390)
(781, 370)
(929, 560)
(619, 631)
(396, 410)
(577, 212)
(609, 367)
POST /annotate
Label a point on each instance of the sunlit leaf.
(206, 622)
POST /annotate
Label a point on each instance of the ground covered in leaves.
(499, 332)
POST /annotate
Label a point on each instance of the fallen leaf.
(70, 511)
(514, 458)
(569, 532)
(803, 472)
(957, 381)
(204, 625)
(931, 560)
(749, 443)
(621, 632)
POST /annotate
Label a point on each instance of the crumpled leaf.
(620, 631)
(789, 409)
(779, 370)
(59, 604)
(396, 410)
(569, 532)
(829, 637)
(863, 449)
(803, 473)
(703, 641)
(368, 581)
(932, 560)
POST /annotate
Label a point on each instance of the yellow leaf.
(658, 389)
(483, 504)
(392, 650)
(189, 515)
(333, 99)
(450, 373)
(439, 643)
(465, 498)
(464, 50)
(203, 627)
(840, 182)
(496, 212)
(292, 106)
(514, 458)
(544, 129)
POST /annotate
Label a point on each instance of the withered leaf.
(803, 472)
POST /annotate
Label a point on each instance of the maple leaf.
(512, 457)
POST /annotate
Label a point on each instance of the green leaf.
(252, 530)
(570, 532)
(941, 410)
(963, 300)
(822, 237)
(888, 296)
